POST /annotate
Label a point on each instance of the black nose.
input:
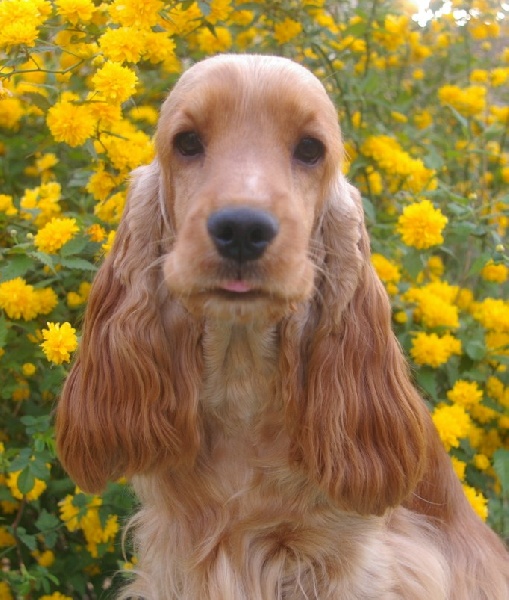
(242, 233)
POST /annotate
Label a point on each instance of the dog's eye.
(188, 143)
(309, 150)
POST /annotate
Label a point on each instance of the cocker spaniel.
(238, 364)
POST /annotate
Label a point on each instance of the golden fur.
(274, 438)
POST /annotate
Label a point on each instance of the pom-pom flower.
(59, 341)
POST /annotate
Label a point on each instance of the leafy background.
(423, 107)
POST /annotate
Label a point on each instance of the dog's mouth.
(237, 290)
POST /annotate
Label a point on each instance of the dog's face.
(249, 153)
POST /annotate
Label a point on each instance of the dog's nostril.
(225, 233)
(242, 233)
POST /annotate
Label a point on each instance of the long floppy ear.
(130, 401)
(356, 422)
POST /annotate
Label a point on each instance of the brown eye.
(188, 143)
(309, 150)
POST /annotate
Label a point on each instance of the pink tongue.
(236, 286)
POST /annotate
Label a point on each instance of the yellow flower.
(432, 350)
(399, 117)
(33, 494)
(55, 234)
(386, 270)
(6, 204)
(146, 113)
(6, 539)
(18, 299)
(11, 111)
(452, 423)
(423, 119)
(75, 11)
(111, 209)
(5, 591)
(45, 558)
(465, 393)
(28, 369)
(96, 233)
(55, 596)
(69, 513)
(101, 183)
(482, 462)
(220, 10)
(406, 171)
(59, 341)
(468, 101)
(71, 123)
(459, 467)
(219, 41)
(436, 266)
(499, 76)
(421, 225)
(20, 21)
(434, 305)
(495, 272)
(108, 244)
(46, 300)
(478, 502)
(114, 82)
(122, 45)
(495, 388)
(493, 314)
(74, 299)
(136, 14)
(286, 30)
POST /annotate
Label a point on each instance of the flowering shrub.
(425, 119)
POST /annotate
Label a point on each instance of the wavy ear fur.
(130, 401)
(356, 422)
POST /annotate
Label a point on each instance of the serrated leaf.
(21, 461)
(44, 258)
(79, 264)
(16, 266)
(501, 466)
(30, 541)
(47, 522)
(74, 246)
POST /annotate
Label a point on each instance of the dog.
(238, 365)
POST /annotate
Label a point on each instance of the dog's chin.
(255, 306)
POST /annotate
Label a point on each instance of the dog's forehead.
(241, 84)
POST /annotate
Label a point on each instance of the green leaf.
(474, 349)
(74, 246)
(47, 522)
(21, 461)
(413, 263)
(44, 258)
(204, 8)
(29, 540)
(26, 481)
(426, 380)
(501, 466)
(17, 266)
(79, 264)
(3, 331)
